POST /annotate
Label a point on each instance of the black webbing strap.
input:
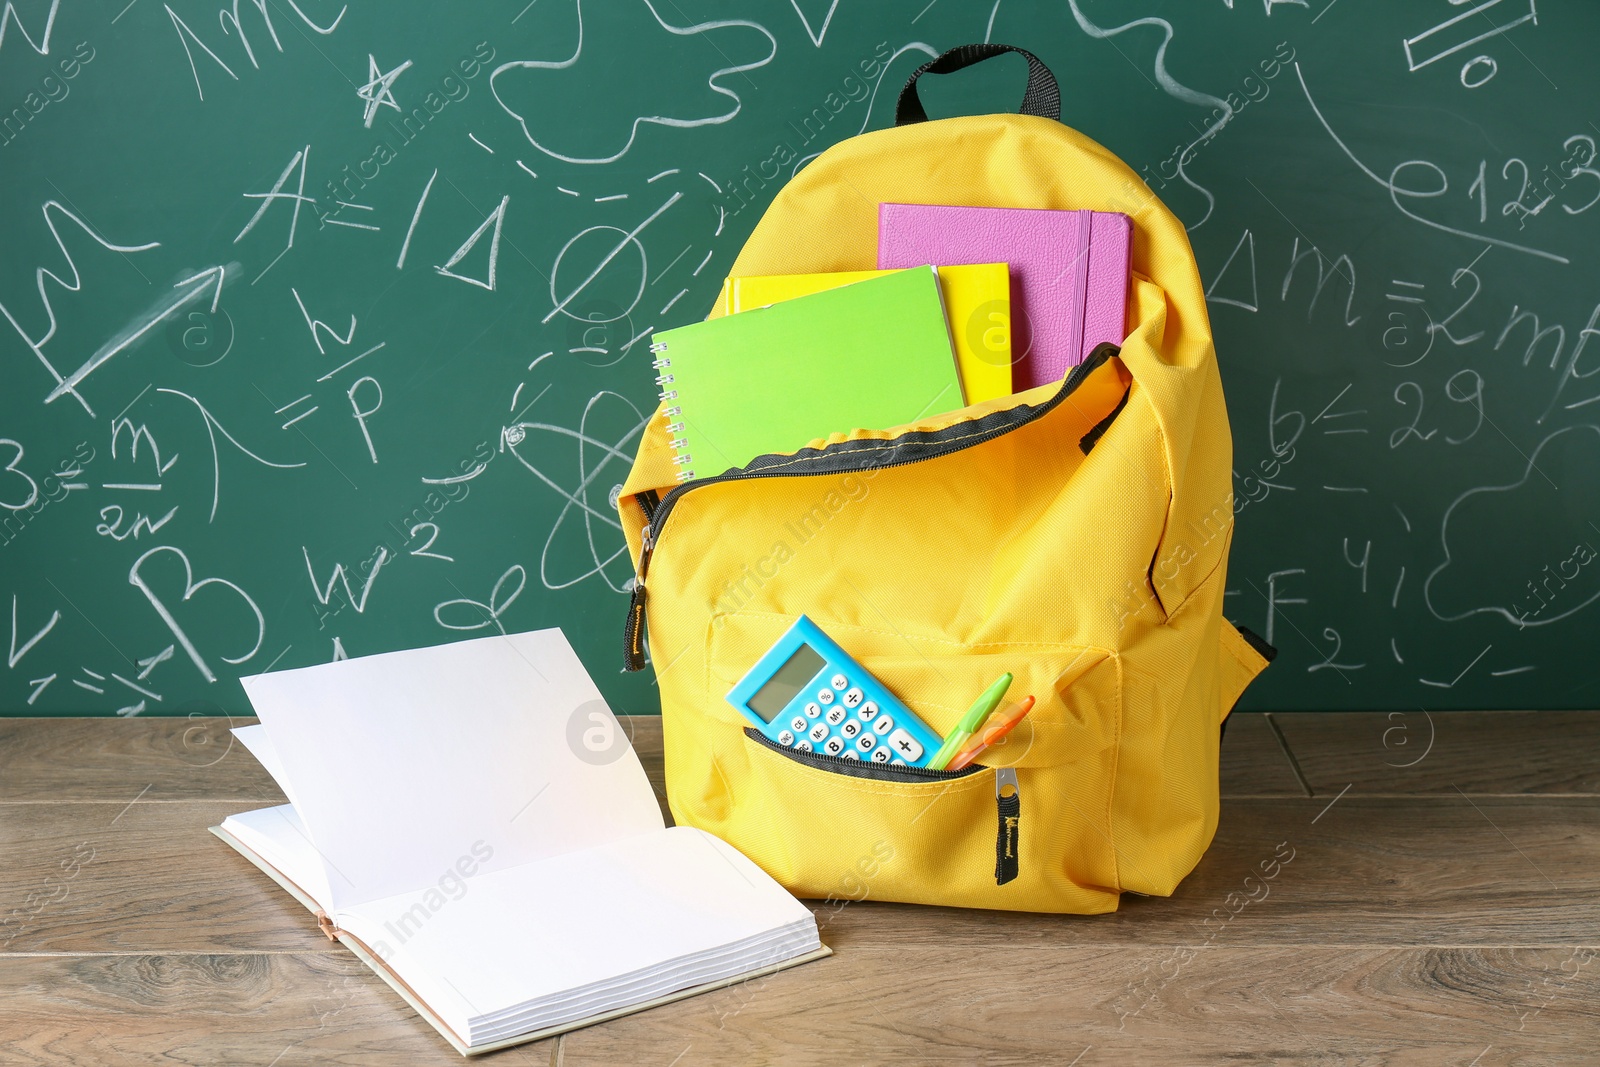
(1042, 96)
(1005, 845)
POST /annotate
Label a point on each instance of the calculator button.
(799, 725)
(847, 754)
(834, 746)
(785, 737)
(839, 682)
(883, 725)
(882, 755)
(867, 711)
(824, 697)
(904, 745)
(803, 745)
(866, 743)
(813, 709)
(897, 762)
(853, 698)
(835, 715)
(850, 729)
(818, 731)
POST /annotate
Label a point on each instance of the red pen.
(991, 733)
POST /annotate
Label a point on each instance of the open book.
(471, 822)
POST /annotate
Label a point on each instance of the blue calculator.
(807, 694)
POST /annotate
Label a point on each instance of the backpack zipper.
(1007, 794)
(1008, 814)
(650, 535)
(877, 772)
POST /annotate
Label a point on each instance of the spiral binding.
(663, 363)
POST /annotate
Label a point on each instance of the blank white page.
(479, 755)
(531, 933)
(255, 740)
(278, 836)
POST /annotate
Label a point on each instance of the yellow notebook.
(977, 300)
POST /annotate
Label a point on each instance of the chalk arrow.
(197, 286)
(205, 277)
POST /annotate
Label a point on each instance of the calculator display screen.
(786, 681)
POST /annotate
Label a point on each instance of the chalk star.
(380, 89)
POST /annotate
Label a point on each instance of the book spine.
(674, 412)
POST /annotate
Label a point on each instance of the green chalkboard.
(326, 324)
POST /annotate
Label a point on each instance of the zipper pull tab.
(1008, 805)
(633, 631)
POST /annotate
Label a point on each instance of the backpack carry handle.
(1042, 96)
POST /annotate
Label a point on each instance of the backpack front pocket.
(1026, 827)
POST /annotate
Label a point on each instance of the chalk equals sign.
(309, 411)
(1430, 46)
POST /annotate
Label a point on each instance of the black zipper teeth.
(877, 772)
(648, 500)
(663, 510)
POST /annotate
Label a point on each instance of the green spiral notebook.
(869, 355)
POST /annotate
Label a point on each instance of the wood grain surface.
(1254, 761)
(211, 1010)
(1091, 1006)
(1442, 913)
(1513, 753)
(46, 760)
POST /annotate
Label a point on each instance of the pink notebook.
(1069, 272)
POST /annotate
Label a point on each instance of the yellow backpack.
(1075, 534)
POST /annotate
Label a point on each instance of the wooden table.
(1442, 906)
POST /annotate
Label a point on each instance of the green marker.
(970, 722)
